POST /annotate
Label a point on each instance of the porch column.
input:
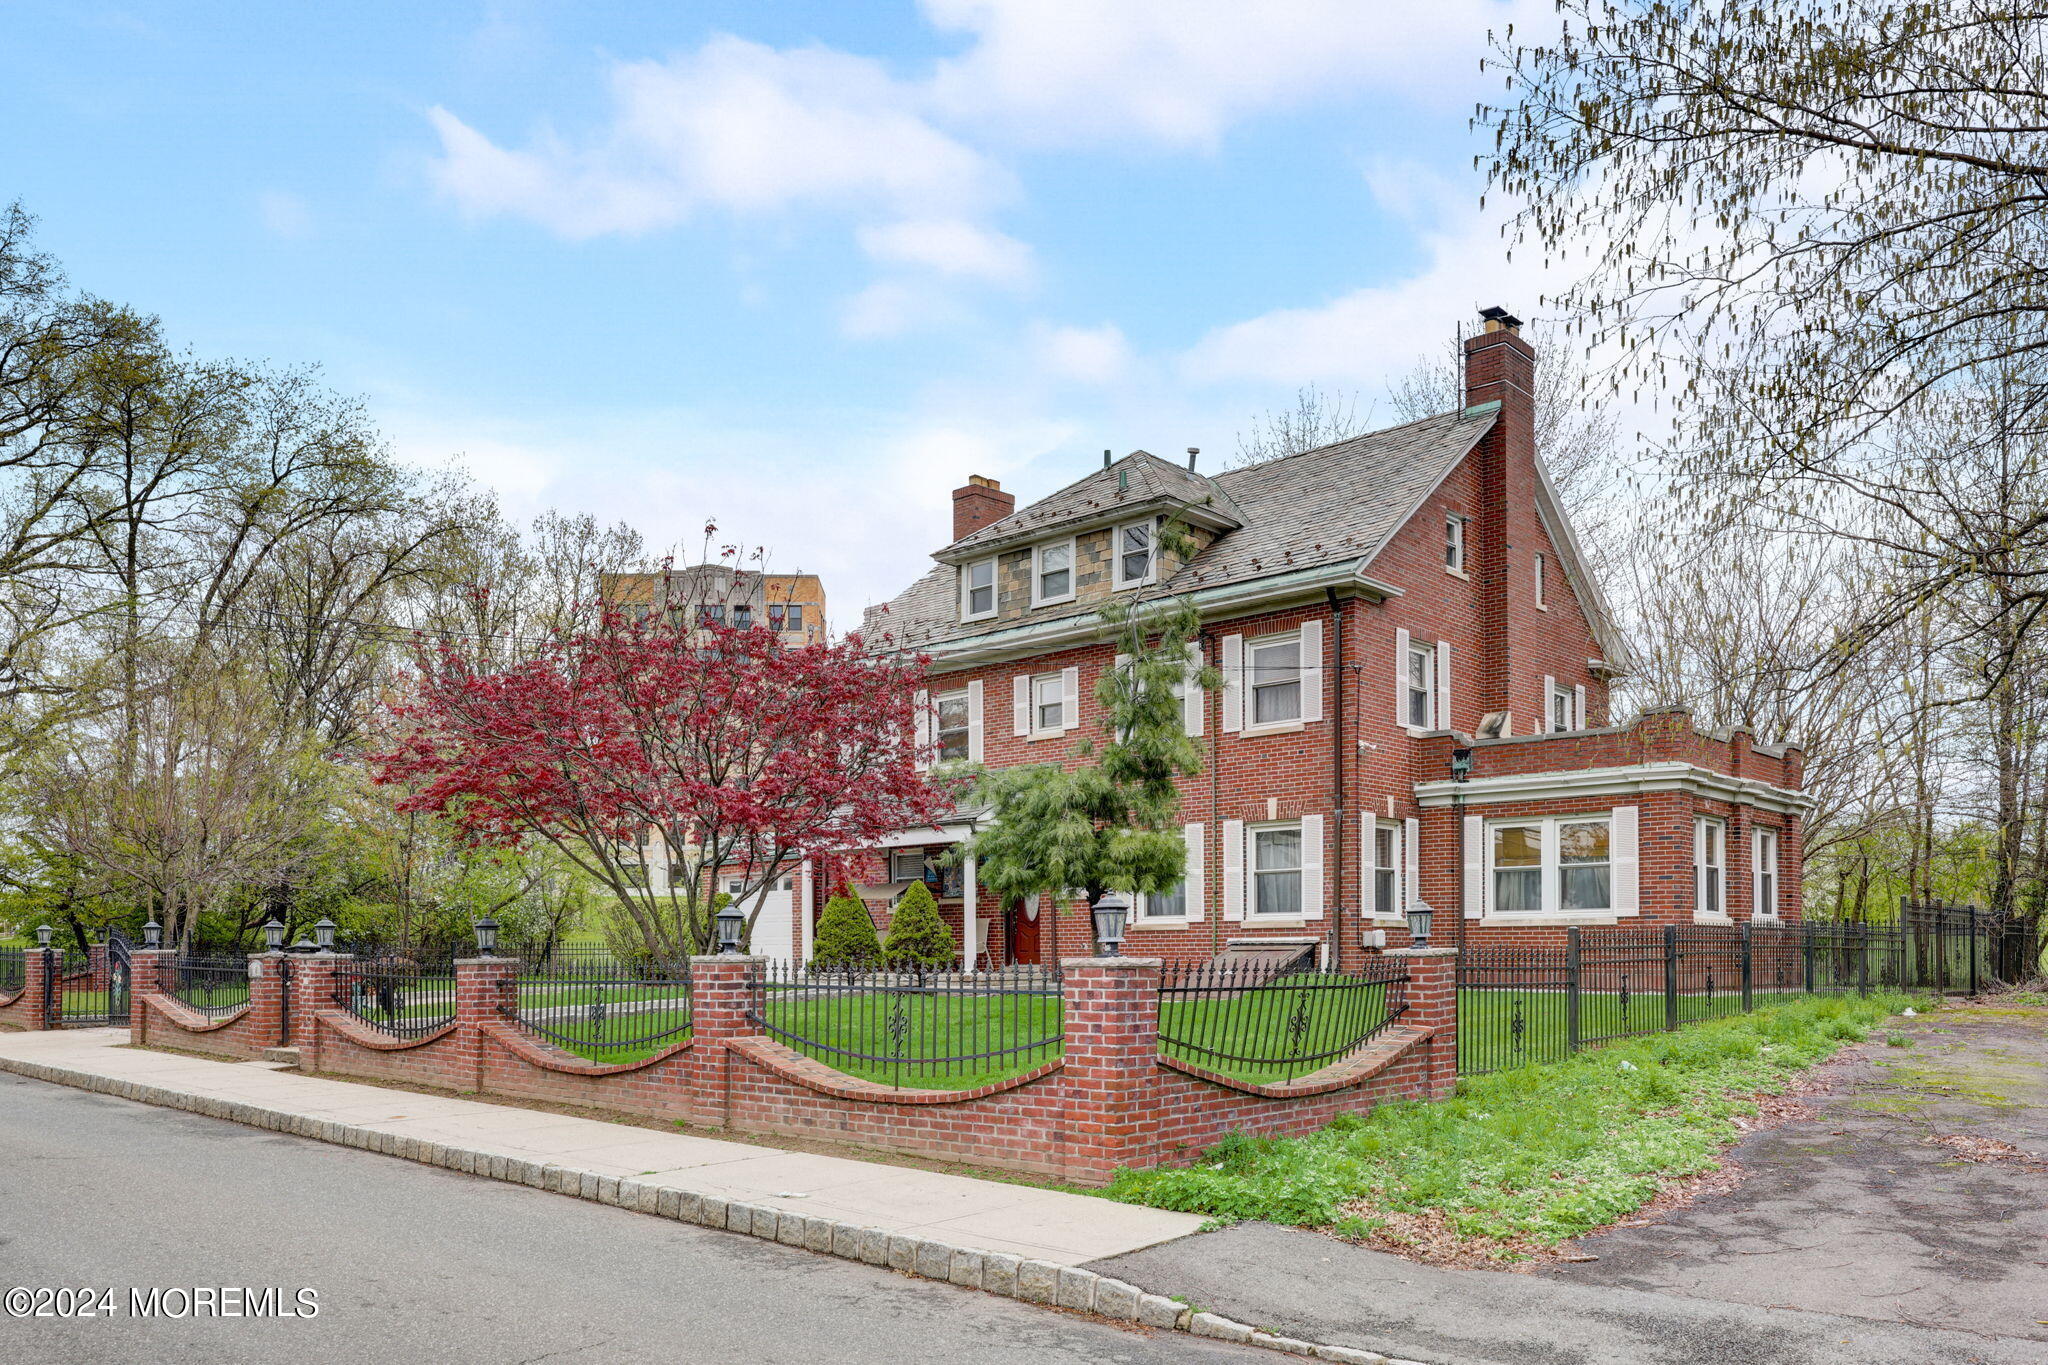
(806, 912)
(967, 899)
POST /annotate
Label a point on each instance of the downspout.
(1335, 957)
(1206, 642)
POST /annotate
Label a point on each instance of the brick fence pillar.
(312, 990)
(42, 970)
(269, 979)
(486, 988)
(150, 972)
(1433, 1003)
(724, 990)
(1111, 1072)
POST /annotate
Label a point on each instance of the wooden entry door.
(1025, 919)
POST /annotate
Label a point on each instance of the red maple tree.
(721, 753)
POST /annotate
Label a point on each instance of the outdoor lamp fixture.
(1419, 915)
(486, 937)
(152, 935)
(732, 928)
(42, 936)
(273, 934)
(323, 936)
(1461, 764)
(1110, 914)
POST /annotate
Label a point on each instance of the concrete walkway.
(984, 1215)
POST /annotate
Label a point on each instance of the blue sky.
(796, 267)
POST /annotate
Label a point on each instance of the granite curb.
(1015, 1277)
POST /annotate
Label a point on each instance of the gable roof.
(1337, 504)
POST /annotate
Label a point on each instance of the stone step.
(287, 1055)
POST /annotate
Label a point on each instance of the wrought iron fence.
(1246, 1021)
(941, 1030)
(1537, 1004)
(211, 985)
(606, 1010)
(13, 970)
(403, 997)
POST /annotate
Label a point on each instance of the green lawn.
(930, 1026)
(1524, 1157)
(1500, 1028)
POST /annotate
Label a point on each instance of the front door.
(1024, 939)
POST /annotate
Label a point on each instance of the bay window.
(1554, 864)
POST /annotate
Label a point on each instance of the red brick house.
(1381, 610)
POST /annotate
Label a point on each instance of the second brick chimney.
(977, 503)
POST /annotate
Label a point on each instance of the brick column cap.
(487, 962)
(1421, 952)
(713, 959)
(1119, 961)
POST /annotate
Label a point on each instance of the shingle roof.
(1337, 502)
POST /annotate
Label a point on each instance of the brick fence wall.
(1110, 1100)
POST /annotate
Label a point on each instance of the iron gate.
(91, 988)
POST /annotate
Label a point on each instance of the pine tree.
(917, 936)
(846, 935)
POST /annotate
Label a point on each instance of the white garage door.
(774, 931)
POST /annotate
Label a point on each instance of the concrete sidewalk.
(981, 1215)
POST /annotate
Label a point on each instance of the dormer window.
(1052, 573)
(1135, 554)
(978, 590)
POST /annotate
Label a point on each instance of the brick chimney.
(977, 503)
(1501, 367)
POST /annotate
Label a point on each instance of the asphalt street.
(419, 1265)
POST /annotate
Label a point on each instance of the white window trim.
(939, 700)
(1461, 540)
(1251, 871)
(1397, 830)
(1760, 835)
(1116, 548)
(1252, 645)
(1031, 693)
(1552, 870)
(1700, 913)
(1428, 650)
(1554, 692)
(1542, 587)
(994, 589)
(1073, 572)
(1191, 884)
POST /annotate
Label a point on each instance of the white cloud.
(950, 246)
(1180, 72)
(1091, 355)
(735, 126)
(283, 214)
(897, 307)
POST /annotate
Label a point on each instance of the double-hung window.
(1422, 687)
(977, 590)
(1276, 871)
(711, 615)
(951, 710)
(1052, 573)
(1386, 870)
(1710, 868)
(1275, 668)
(1561, 708)
(785, 616)
(1134, 554)
(1164, 904)
(743, 617)
(1764, 874)
(1048, 703)
(1454, 543)
(1556, 864)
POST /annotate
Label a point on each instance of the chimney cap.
(982, 481)
(1499, 319)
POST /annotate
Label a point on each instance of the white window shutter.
(1233, 684)
(1547, 711)
(1443, 685)
(1311, 670)
(1233, 869)
(1579, 706)
(1020, 704)
(1311, 867)
(1368, 867)
(1198, 867)
(974, 721)
(1622, 845)
(1070, 698)
(1411, 865)
(1699, 864)
(1400, 677)
(924, 728)
(1475, 866)
(1193, 701)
